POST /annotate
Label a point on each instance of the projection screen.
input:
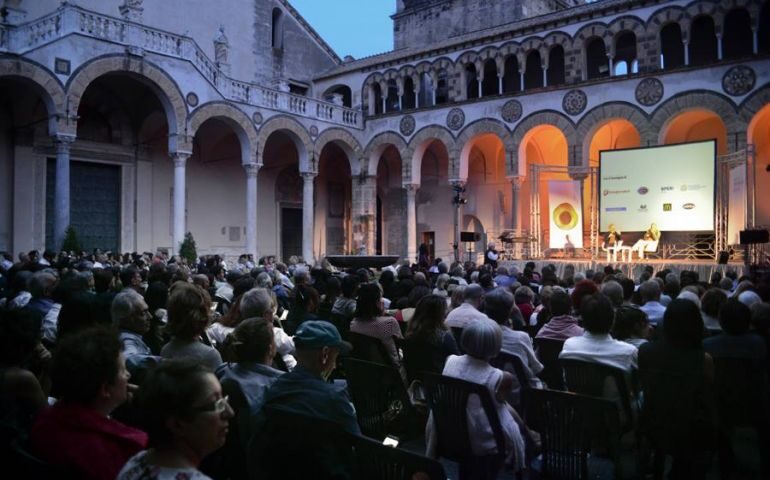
(672, 186)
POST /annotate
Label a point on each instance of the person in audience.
(650, 294)
(498, 305)
(525, 301)
(333, 291)
(186, 418)
(189, 309)
(748, 298)
(710, 304)
(736, 341)
(482, 341)
(562, 325)
(469, 310)
(503, 279)
(614, 291)
(404, 315)
(369, 319)
(679, 354)
(132, 317)
(583, 288)
(304, 307)
(77, 434)
(596, 344)
(442, 282)
(43, 306)
(260, 303)
(428, 337)
(631, 326)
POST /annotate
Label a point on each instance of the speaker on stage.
(470, 236)
(750, 237)
(724, 257)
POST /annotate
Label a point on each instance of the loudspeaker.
(470, 237)
(749, 237)
(724, 257)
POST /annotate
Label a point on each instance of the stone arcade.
(136, 122)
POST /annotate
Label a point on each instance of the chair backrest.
(380, 397)
(512, 363)
(590, 378)
(375, 461)
(370, 349)
(294, 445)
(448, 402)
(548, 351)
(568, 424)
(651, 246)
(342, 322)
(741, 391)
(420, 357)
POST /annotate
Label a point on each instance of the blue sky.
(352, 27)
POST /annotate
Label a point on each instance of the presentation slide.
(671, 186)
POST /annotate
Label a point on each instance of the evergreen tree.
(187, 249)
(70, 242)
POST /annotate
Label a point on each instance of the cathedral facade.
(136, 122)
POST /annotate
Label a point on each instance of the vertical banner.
(736, 210)
(565, 213)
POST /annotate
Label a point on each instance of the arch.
(164, 87)
(464, 141)
(737, 40)
(626, 23)
(276, 32)
(47, 86)
(556, 73)
(345, 141)
(703, 40)
(340, 89)
(598, 117)
(545, 117)
(671, 46)
(235, 118)
(296, 132)
(412, 159)
(664, 16)
(377, 146)
(699, 99)
(533, 70)
(595, 29)
(755, 102)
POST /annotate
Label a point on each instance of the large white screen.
(672, 186)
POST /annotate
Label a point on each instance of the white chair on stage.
(612, 251)
(642, 246)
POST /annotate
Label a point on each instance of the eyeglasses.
(217, 406)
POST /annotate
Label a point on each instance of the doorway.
(291, 232)
(429, 239)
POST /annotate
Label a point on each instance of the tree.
(70, 242)
(187, 249)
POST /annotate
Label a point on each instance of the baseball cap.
(319, 333)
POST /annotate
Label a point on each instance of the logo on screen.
(642, 208)
(666, 207)
(688, 206)
(667, 189)
(685, 188)
(615, 209)
(643, 190)
(606, 192)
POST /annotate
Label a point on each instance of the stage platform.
(632, 269)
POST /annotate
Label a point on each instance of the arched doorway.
(759, 136)
(695, 125)
(333, 202)
(280, 188)
(391, 204)
(434, 199)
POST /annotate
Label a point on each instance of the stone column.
(180, 188)
(755, 41)
(479, 83)
(458, 215)
(719, 46)
(611, 63)
(411, 222)
(521, 80)
(252, 170)
(686, 46)
(61, 218)
(499, 84)
(515, 200)
(308, 214)
(364, 213)
(545, 76)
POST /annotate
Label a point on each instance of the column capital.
(63, 140)
(578, 173)
(516, 181)
(308, 176)
(457, 182)
(411, 188)
(252, 169)
(179, 158)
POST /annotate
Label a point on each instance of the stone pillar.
(755, 41)
(364, 214)
(686, 46)
(371, 100)
(411, 222)
(545, 76)
(611, 64)
(416, 98)
(719, 46)
(180, 188)
(61, 218)
(515, 200)
(499, 84)
(252, 170)
(479, 83)
(308, 214)
(457, 184)
(521, 80)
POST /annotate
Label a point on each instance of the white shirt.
(654, 311)
(600, 348)
(463, 315)
(284, 344)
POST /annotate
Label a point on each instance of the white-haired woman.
(482, 340)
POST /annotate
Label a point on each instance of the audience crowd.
(144, 367)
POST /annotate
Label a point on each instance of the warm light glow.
(696, 125)
(759, 135)
(613, 135)
(486, 159)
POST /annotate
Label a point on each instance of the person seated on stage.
(613, 236)
(651, 236)
(491, 256)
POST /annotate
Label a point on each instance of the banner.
(736, 211)
(565, 213)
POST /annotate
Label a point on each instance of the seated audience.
(469, 310)
(429, 341)
(186, 417)
(710, 305)
(261, 303)
(132, 317)
(303, 308)
(369, 319)
(736, 341)
(77, 434)
(651, 305)
(562, 325)
(631, 325)
(189, 309)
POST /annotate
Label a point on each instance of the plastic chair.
(548, 351)
(512, 363)
(741, 389)
(369, 349)
(448, 402)
(590, 378)
(375, 461)
(381, 400)
(420, 357)
(292, 445)
(569, 424)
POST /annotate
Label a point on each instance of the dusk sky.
(352, 27)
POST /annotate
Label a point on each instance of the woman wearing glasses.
(186, 418)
